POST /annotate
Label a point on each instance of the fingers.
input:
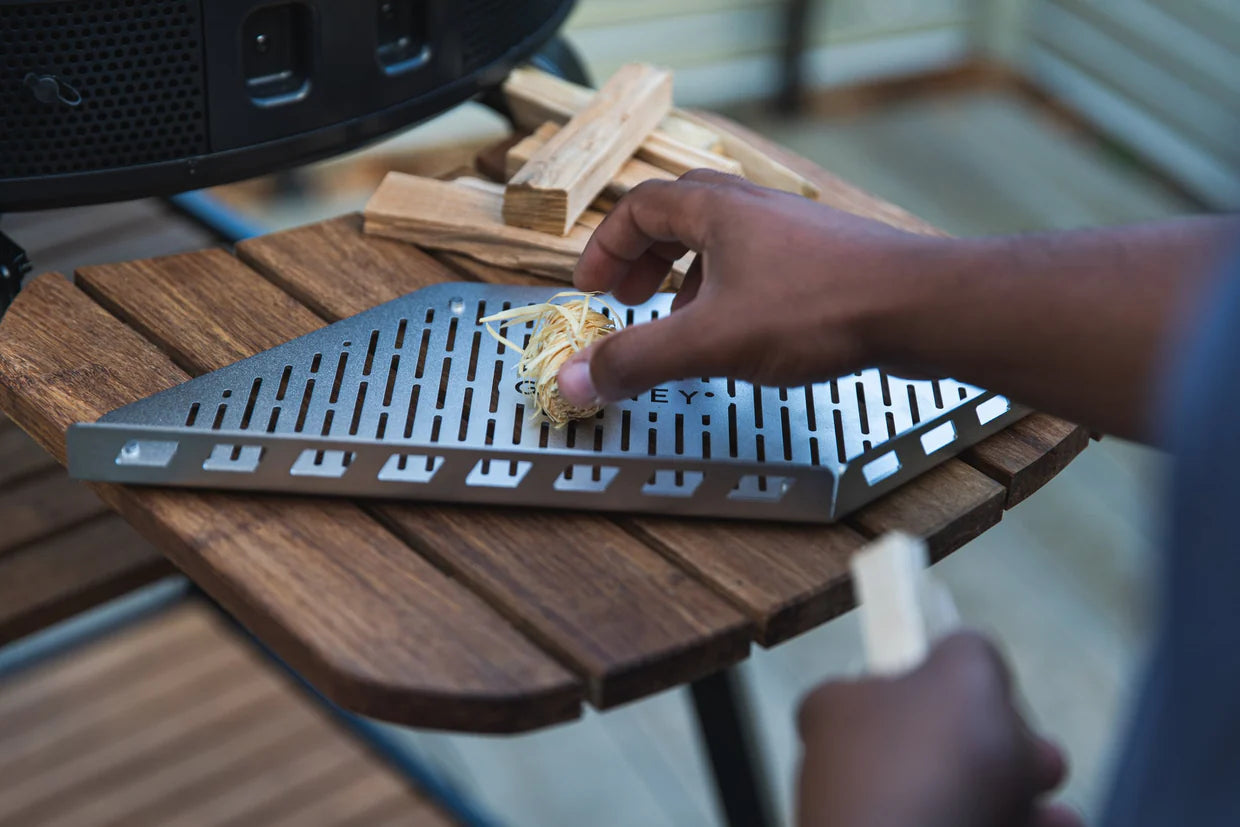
(689, 287)
(646, 275)
(1050, 766)
(1055, 815)
(655, 212)
(637, 358)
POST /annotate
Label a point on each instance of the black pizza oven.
(102, 100)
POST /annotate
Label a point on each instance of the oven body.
(103, 100)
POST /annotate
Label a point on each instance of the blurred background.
(982, 117)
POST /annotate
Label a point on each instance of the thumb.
(636, 359)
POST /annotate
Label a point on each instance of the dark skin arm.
(787, 291)
(1076, 323)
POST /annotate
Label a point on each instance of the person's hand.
(780, 294)
(942, 746)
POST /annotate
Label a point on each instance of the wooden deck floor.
(176, 722)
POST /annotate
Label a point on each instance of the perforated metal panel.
(129, 80)
(414, 400)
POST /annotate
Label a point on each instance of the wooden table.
(460, 618)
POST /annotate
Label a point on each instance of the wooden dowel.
(903, 607)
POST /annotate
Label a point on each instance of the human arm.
(790, 291)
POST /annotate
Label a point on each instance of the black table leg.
(14, 266)
(723, 720)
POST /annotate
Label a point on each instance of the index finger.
(651, 216)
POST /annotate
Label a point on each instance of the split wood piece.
(69, 571)
(177, 721)
(339, 598)
(625, 618)
(465, 217)
(677, 157)
(1026, 455)
(757, 165)
(904, 608)
(630, 175)
(442, 215)
(535, 97)
(565, 174)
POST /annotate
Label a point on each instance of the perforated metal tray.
(413, 400)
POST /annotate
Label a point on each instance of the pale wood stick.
(465, 216)
(630, 175)
(535, 97)
(904, 608)
(666, 152)
(573, 167)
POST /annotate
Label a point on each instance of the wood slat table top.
(442, 616)
(176, 722)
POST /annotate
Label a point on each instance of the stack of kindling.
(585, 149)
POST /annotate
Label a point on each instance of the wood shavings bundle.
(560, 330)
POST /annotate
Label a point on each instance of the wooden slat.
(43, 506)
(620, 613)
(1029, 454)
(948, 506)
(298, 572)
(220, 738)
(51, 580)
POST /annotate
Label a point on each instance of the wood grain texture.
(685, 141)
(632, 173)
(947, 506)
(1028, 454)
(352, 291)
(146, 737)
(624, 617)
(667, 153)
(535, 97)
(295, 571)
(54, 578)
(757, 164)
(440, 215)
(569, 170)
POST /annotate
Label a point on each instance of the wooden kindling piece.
(570, 170)
(904, 608)
(630, 175)
(535, 97)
